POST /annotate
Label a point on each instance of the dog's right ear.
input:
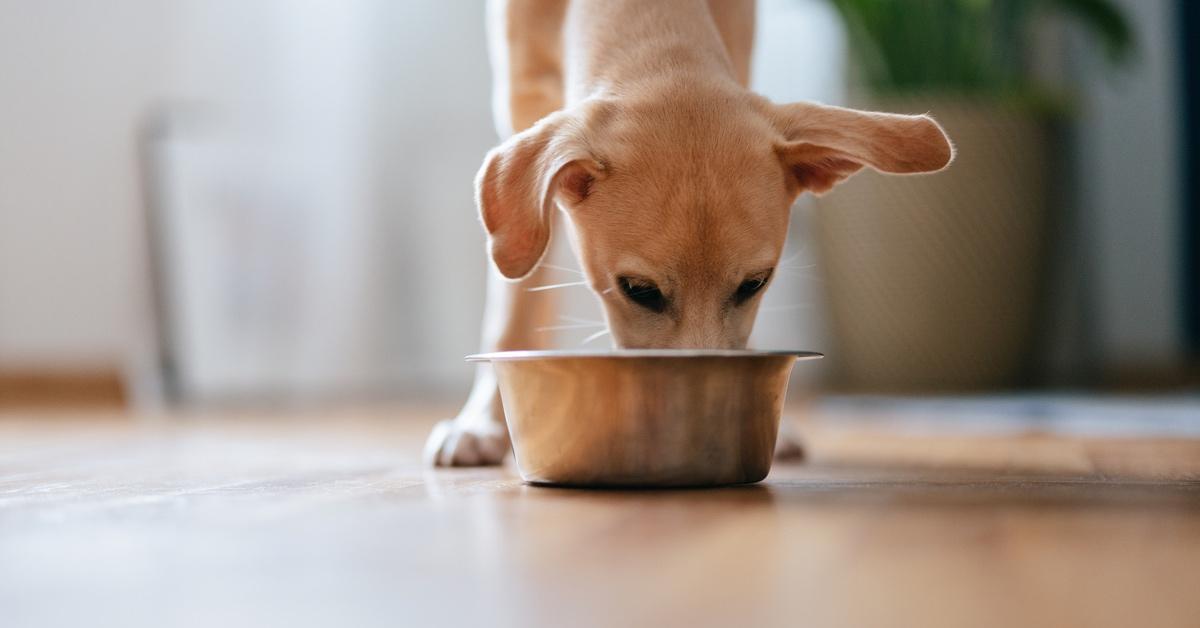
(520, 182)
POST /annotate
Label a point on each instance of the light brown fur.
(632, 125)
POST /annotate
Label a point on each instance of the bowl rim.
(507, 356)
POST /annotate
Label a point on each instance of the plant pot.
(932, 281)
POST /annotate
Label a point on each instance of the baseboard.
(21, 388)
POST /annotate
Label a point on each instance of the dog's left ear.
(823, 145)
(519, 183)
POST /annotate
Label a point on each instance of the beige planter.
(931, 281)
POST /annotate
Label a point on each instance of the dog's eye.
(751, 287)
(643, 293)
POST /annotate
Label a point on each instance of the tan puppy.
(674, 181)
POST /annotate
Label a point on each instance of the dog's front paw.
(466, 443)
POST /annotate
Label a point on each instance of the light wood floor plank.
(328, 518)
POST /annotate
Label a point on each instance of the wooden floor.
(328, 519)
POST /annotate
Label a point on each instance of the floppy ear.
(824, 145)
(518, 185)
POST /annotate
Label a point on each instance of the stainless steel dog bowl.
(643, 417)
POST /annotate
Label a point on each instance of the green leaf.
(1105, 21)
(964, 46)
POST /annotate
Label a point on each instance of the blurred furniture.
(259, 245)
(933, 282)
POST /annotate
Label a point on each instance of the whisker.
(576, 319)
(555, 286)
(594, 336)
(789, 259)
(563, 268)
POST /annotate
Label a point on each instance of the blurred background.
(269, 202)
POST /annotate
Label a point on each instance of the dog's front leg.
(514, 318)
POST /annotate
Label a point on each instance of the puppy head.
(678, 210)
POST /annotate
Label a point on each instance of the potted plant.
(933, 282)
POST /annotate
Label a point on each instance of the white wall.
(74, 79)
(431, 108)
